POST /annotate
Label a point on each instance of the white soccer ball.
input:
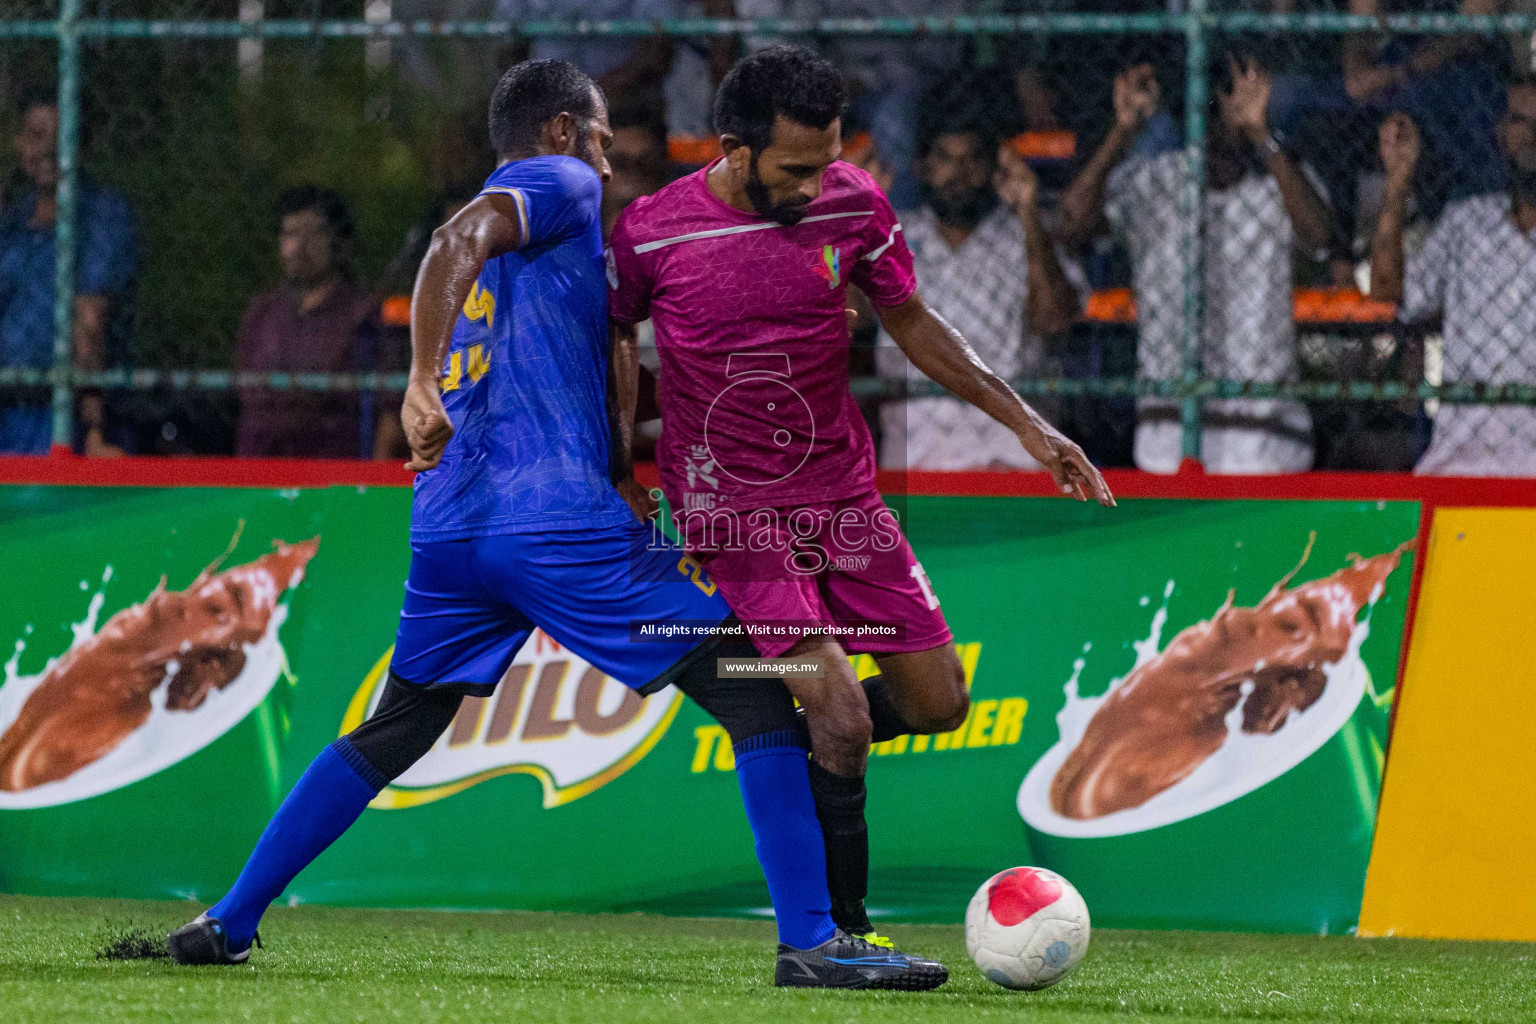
(1026, 928)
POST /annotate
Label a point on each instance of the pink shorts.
(842, 567)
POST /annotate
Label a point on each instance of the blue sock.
(322, 805)
(773, 772)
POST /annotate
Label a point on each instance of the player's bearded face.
(789, 210)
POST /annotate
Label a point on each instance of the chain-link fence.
(1274, 238)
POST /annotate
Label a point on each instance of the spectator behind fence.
(1477, 268)
(1449, 84)
(628, 68)
(699, 64)
(106, 265)
(986, 264)
(1257, 200)
(317, 319)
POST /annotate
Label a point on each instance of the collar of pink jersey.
(720, 205)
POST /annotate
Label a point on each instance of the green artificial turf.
(324, 964)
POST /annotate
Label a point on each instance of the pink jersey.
(753, 341)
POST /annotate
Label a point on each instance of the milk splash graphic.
(166, 737)
(1245, 761)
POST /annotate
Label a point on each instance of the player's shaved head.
(785, 81)
(532, 93)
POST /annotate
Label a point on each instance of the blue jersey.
(525, 378)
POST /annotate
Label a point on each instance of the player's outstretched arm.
(486, 228)
(947, 358)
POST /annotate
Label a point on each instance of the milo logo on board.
(552, 716)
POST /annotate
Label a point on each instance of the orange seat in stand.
(1310, 306)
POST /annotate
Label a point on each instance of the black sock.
(882, 711)
(840, 807)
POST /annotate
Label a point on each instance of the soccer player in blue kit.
(516, 523)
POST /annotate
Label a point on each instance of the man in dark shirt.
(318, 319)
(106, 263)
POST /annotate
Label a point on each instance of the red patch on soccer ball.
(1017, 894)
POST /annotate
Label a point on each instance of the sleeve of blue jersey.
(557, 197)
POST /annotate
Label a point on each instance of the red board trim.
(144, 471)
(1190, 483)
(1197, 484)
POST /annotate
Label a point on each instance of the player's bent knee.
(842, 732)
(956, 707)
(747, 708)
(944, 705)
(843, 708)
(852, 727)
(407, 722)
(953, 699)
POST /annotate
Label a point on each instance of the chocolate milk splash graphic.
(168, 652)
(1172, 713)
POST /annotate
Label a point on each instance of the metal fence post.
(1192, 206)
(64, 224)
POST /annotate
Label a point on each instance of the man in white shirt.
(1478, 269)
(1258, 202)
(987, 265)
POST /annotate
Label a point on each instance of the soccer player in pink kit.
(743, 269)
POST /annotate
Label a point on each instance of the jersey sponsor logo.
(830, 269)
(700, 467)
(552, 716)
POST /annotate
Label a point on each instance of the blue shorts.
(471, 603)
